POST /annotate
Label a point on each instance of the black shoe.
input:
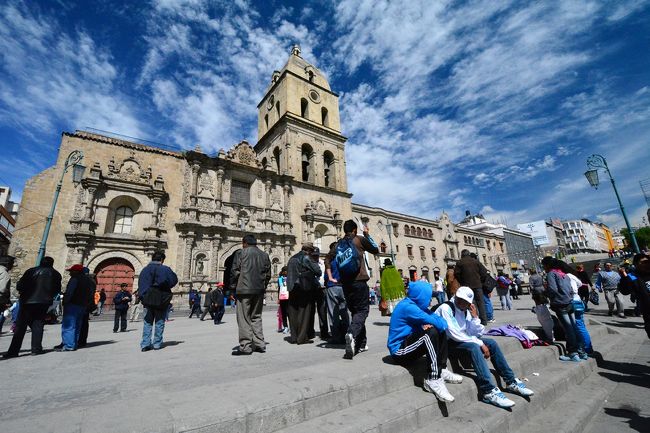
(9, 355)
(114, 332)
(259, 350)
(240, 352)
(37, 352)
(146, 348)
(123, 330)
(58, 346)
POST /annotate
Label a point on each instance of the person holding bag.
(154, 285)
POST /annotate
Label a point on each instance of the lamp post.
(389, 230)
(595, 162)
(73, 160)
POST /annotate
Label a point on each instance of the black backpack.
(451, 304)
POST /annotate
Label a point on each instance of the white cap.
(465, 293)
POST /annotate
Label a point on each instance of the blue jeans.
(581, 328)
(489, 309)
(151, 315)
(506, 302)
(485, 381)
(440, 297)
(567, 319)
(71, 325)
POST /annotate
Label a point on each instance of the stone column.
(219, 186)
(216, 243)
(89, 204)
(195, 182)
(287, 158)
(156, 210)
(287, 203)
(187, 256)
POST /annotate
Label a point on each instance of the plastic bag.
(593, 297)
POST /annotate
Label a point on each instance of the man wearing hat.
(217, 301)
(121, 302)
(37, 288)
(250, 274)
(77, 297)
(464, 332)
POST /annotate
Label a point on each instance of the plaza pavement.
(193, 382)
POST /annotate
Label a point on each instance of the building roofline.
(121, 143)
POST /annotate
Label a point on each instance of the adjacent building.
(8, 212)
(519, 250)
(585, 236)
(548, 236)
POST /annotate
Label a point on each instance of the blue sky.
(488, 106)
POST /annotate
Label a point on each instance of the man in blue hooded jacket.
(415, 331)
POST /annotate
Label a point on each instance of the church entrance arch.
(111, 273)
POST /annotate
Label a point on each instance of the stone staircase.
(370, 394)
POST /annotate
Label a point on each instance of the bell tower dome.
(299, 130)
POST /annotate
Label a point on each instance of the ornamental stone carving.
(244, 154)
(129, 170)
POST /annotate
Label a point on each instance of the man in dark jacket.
(155, 274)
(302, 283)
(471, 273)
(207, 304)
(77, 297)
(85, 318)
(357, 292)
(251, 272)
(37, 288)
(121, 303)
(217, 302)
(637, 283)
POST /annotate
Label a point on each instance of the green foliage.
(642, 237)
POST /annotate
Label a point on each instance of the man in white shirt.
(464, 330)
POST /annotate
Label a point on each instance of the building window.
(277, 108)
(307, 155)
(419, 232)
(123, 220)
(382, 248)
(422, 254)
(433, 253)
(407, 231)
(409, 250)
(430, 234)
(277, 155)
(324, 117)
(240, 193)
(328, 168)
(397, 248)
(266, 120)
(304, 108)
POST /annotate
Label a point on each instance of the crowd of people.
(330, 292)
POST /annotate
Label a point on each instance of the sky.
(487, 106)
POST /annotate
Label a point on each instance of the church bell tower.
(299, 131)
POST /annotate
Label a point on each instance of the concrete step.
(407, 408)
(558, 383)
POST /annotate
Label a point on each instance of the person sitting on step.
(415, 331)
(464, 330)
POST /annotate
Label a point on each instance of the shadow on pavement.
(381, 323)
(171, 343)
(635, 421)
(98, 343)
(634, 325)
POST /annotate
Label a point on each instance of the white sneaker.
(363, 349)
(497, 398)
(450, 377)
(519, 387)
(439, 389)
(349, 346)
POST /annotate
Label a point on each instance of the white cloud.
(52, 78)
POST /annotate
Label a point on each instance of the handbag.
(383, 306)
(155, 298)
(593, 297)
(489, 284)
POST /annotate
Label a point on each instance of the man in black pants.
(37, 288)
(302, 283)
(207, 304)
(471, 273)
(121, 302)
(356, 291)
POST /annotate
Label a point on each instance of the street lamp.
(73, 160)
(595, 162)
(389, 230)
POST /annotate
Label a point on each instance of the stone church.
(287, 189)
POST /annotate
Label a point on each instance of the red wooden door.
(111, 274)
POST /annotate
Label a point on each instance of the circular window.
(270, 103)
(314, 96)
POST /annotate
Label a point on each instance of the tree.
(642, 237)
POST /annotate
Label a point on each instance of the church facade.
(289, 188)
